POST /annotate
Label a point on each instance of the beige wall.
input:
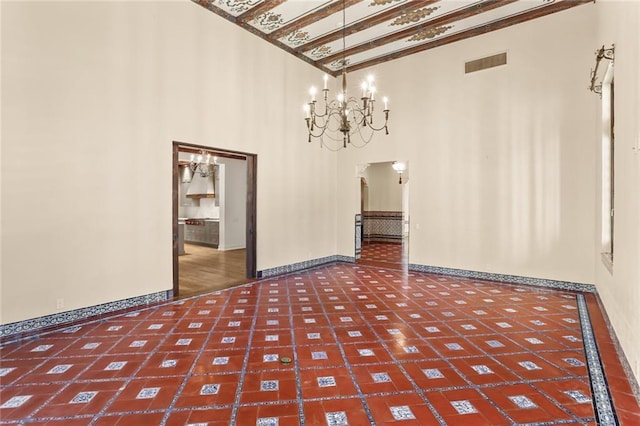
(618, 23)
(384, 192)
(502, 160)
(93, 94)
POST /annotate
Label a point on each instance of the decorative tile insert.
(83, 397)
(148, 393)
(464, 407)
(337, 418)
(402, 412)
(269, 385)
(16, 401)
(210, 389)
(523, 402)
(380, 377)
(324, 382)
(220, 360)
(433, 373)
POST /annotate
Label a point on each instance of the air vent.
(484, 63)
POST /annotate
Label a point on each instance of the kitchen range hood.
(202, 187)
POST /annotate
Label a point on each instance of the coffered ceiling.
(374, 31)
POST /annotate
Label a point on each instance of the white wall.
(233, 203)
(384, 192)
(618, 23)
(502, 160)
(93, 94)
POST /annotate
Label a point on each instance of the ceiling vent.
(484, 63)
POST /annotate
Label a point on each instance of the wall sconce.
(399, 167)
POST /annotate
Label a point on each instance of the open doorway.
(384, 202)
(214, 217)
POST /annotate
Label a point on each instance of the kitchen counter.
(202, 231)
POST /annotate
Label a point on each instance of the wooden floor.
(204, 269)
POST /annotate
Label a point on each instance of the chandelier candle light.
(196, 164)
(345, 114)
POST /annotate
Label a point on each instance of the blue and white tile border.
(635, 386)
(15, 330)
(513, 279)
(604, 410)
(307, 264)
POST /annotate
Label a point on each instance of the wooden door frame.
(252, 184)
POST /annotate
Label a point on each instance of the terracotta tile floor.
(383, 254)
(368, 346)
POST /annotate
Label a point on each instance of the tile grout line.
(245, 361)
(63, 388)
(605, 410)
(347, 364)
(169, 410)
(294, 357)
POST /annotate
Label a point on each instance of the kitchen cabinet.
(204, 232)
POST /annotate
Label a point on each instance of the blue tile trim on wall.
(294, 267)
(604, 409)
(514, 279)
(36, 324)
(635, 386)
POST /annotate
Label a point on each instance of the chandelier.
(348, 115)
(202, 164)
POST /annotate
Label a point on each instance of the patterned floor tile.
(340, 344)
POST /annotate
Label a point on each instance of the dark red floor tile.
(574, 395)
(483, 370)
(273, 322)
(38, 348)
(209, 390)
(146, 394)
(131, 419)
(366, 353)
(57, 370)
(270, 358)
(14, 369)
(408, 408)
(314, 336)
(142, 344)
(343, 411)
(433, 374)
(78, 421)
(19, 402)
(529, 366)
(326, 383)
(167, 364)
(286, 414)
(228, 340)
(411, 350)
(182, 342)
(311, 319)
(524, 404)
(81, 398)
(268, 386)
(210, 417)
(319, 356)
(465, 407)
(113, 367)
(381, 378)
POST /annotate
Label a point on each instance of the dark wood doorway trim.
(252, 184)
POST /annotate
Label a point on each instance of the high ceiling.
(375, 31)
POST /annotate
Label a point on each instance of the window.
(608, 167)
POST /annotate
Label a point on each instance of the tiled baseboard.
(21, 329)
(312, 263)
(514, 279)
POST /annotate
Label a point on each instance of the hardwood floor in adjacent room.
(204, 269)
